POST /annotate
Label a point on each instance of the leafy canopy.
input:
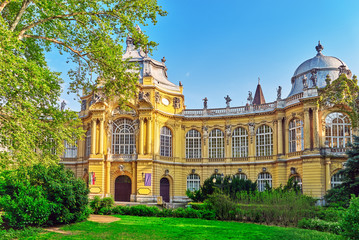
(91, 33)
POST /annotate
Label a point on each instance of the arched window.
(193, 144)
(88, 143)
(123, 137)
(241, 176)
(336, 180)
(70, 150)
(193, 182)
(298, 179)
(166, 142)
(264, 141)
(296, 142)
(216, 144)
(338, 130)
(263, 180)
(239, 143)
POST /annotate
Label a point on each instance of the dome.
(320, 66)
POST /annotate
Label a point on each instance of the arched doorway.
(122, 188)
(165, 189)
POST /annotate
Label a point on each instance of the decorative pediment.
(119, 111)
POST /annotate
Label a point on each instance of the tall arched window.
(263, 180)
(240, 176)
(264, 141)
(166, 142)
(336, 180)
(123, 137)
(193, 182)
(193, 144)
(88, 143)
(296, 142)
(239, 143)
(70, 150)
(216, 144)
(338, 131)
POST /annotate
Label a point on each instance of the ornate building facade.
(160, 148)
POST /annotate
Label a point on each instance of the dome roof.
(318, 68)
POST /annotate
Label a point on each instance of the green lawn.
(139, 228)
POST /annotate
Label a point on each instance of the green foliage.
(350, 222)
(320, 225)
(222, 205)
(340, 195)
(123, 210)
(40, 195)
(343, 92)
(91, 34)
(19, 234)
(102, 206)
(142, 210)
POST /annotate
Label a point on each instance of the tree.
(350, 185)
(32, 125)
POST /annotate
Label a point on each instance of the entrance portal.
(165, 189)
(122, 189)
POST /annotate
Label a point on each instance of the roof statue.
(305, 83)
(250, 98)
(205, 100)
(228, 100)
(319, 48)
(63, 105)
(279, 93)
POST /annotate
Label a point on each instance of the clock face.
(165, 101)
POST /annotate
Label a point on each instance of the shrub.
(40, 195)
(107, 202)
(102, 206)
(105, 211)
(350, 222)
(123, 210)
(95, 204)
(320, 225)
(165, 213)
(208, 214)
(222, 206)
(142, 210)
(198, 206)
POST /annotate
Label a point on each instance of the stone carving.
(305, 83)
(180, 84)
(319, 48)
(120, 111)
(343, 70)
(176, 102)
(205, 100)
(250, 98)
(83, 105)
(205, 134)
(313, 78)
(251, 126)
(228, 132)
(157, 97)
(228, 100)
(142, 96)
(164, 59)
(63, 105)
(279, 93)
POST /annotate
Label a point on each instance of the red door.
(165, 189)
(122, 189)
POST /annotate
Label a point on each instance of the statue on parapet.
(228, 100)
(205, 100)
(250, 98)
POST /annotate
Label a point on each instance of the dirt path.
(92, 217)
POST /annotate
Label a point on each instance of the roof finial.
(319, 48)
(259, 80)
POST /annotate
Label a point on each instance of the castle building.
(157, 147)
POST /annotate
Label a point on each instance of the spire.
(319, 48)
(258, 96)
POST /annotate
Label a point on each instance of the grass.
(131, 227)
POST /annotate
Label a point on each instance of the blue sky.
(217, 48)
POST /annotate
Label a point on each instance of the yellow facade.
(315, 164)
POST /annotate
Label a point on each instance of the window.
(336, 180)
(338, 130)
(241, 176)
(123, 137)
(88, 143)
(264, 141)
(193, 144)
(166, 142)
(298, 179)
(216, 144)
(70, 150)
(296, 142)
(263, 180)
(239, 143)
(193, 182)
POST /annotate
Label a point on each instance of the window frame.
(166, 142)
(194, 181)
(123, 137)
(264, 177)
(296, 135)
(239, 142)
(193, 144)
(216, 144)
(264, 133)
(338, 141)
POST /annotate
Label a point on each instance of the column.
(280, 136)
(93, 136)
(306, 130)
(315, 128)
(141, 137)
(327, 174)
(101, 133)
(108, 179)
(149, 135)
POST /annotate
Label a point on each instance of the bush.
(40, 195)
(320, 225)
(350, 222)
(199, 206)
(95, 204)
(222, 206)
(123, 210)
(208, 214)
(102, 206)
(142, 210)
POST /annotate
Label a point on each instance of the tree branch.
(3, 5)
(25, 4)
(64, 16)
